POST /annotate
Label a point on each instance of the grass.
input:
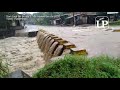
(115, 23)
(81, 67)
(3, 69)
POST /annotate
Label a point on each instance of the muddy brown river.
(95, 40)
(23, 52)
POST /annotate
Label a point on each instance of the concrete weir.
(54, 46)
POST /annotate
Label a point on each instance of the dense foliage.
(4, 23)
(3, 69)
(115, 23)
(45, 18)
(81, 67)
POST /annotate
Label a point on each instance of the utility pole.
(74, 19)
(52, 19)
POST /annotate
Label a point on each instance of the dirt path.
(22, 53)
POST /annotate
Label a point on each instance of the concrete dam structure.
(54, 46)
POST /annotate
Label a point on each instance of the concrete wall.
(54, 46)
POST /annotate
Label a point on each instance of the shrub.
(81, 67)
(3, 69)
(115, 23)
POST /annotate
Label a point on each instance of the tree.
(4, 23)
(45, 18)
(102, 13)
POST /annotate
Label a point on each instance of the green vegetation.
(4, 24)
(3, 69)
(102, 13)
(44, 18)
(115, 23)
(81, 67)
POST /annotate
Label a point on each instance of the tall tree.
(4, 23)
(47, 17)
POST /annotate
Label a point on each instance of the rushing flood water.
(23, 52)
(95, 40)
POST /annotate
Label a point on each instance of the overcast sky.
(26, 12)
(111, 12)
(37, 12)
